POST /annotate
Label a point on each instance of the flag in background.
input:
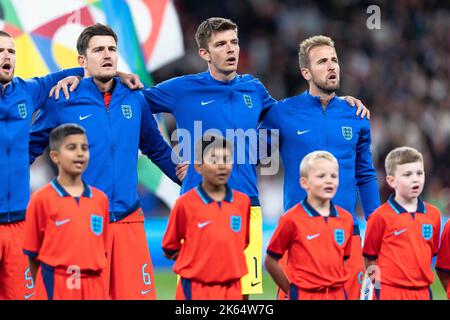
(149, 34)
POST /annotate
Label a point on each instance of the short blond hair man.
(318, 119)
(306, 45)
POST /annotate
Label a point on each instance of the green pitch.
(166, 282)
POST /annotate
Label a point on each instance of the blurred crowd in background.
(400, 72)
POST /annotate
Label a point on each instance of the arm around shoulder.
(163, 96)
(39, 88)
(46, 120)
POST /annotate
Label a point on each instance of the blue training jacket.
(304, 126)
(114, 135)
(236, 104)
(18, 102)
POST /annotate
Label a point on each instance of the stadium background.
(399, 71)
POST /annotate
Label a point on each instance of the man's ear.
(82, 61)
(306, 73)
(204, 54)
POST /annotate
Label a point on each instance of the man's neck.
(222, 76)
(322, 206)
(409, 204)
(4, 86)
(72, 184)
(325, 97)
(104, 86)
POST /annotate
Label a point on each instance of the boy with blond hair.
(402, 235)
(316, 234)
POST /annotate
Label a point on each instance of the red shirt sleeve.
(282, 237)
(348, 247)
(106, 221)
(248, 214)
(376, 226)
(176, 229)
(443, 258)
(35, 224)
(436, 233)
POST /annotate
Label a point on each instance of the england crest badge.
(347, 132)
(339, 236)
(22, 108)
(427, 231)
(126, 111)
(235, 222)
(96, 224)
(248, 100)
